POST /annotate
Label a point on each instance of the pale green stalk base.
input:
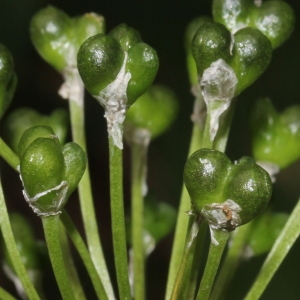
(84, 254)
(13, 250)
(283, 244)
(212, 263)
(70, 266)
(51, 230)
(118, 219)
(86, 201)
(182, 220)
(231, 261)
(193, 279)
(138, 167)
(186, 263)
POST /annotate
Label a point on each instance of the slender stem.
(84, 254)
(225, 125)
(6, 295)
(184, 269)
(231, 261)
(283, 244)
(196, 263)
(182, 220)
(138, 177)
(70, 266)
(13, 250)
(207, 142)
(51, 230)
(212, 263)
(8, 155)
(118, 219)
(86, 198)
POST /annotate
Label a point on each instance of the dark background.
(162, 25)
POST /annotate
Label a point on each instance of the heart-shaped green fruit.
(22, 118)
(8, 79)
(101, 58)
(227, 194)
(49, 172)
(154, 111)
(57, 37)
(275, 19)
(248, 55)
(275, 137)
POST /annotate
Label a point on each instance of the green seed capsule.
(204, 175)
(227, 194)
(275, 19)
(191, 29)
(49, 172)
(57, 37)
(86, 26)
(248, 54)
(23, 118)
(100, 59)
(159, 218)
(154, 111)
(42, 166)
(50, 34)
(264, 232)
(251, 54)
(211, 42)
(75, 163)
(32, 134)
(249, 186)
(126, 36)
(275, 137)
(142, 64)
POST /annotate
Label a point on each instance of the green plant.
(224, 197)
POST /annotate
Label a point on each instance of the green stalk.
(193, 279)
(51, 230)
(118, 219)
(84, 254)
(6, 295)
(185, 266)
(206, 140)
(8, 155)
(231, 261)
(13, 250)
(182, 220)
(212, 264)
(138, 174)
(70, 266)
(224, 127)
(283, 244)
(85, 194)
(200, 139)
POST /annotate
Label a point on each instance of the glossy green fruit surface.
(214, 183)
